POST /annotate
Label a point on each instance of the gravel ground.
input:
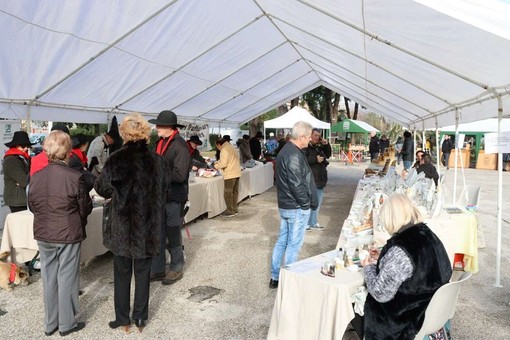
(224, 293)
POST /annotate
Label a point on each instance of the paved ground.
(224, 293)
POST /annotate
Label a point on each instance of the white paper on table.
(303, 266)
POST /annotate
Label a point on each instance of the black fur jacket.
(133, 177)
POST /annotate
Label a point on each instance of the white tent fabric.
(226, 62)
(485, 125)
(290, 118)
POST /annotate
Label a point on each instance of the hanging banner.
(495, 143)
(7, 129)
(196, 129)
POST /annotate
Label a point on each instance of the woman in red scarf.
(16, 167)
(78, 159)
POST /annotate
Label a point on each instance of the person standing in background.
(398, 149)
(296, 194)
(40, 161)
(385, 144)
(98, 151)
(197, 161)
(172, 147)
(255, 147)
(374, 147)
(16, 166)
(134, 222)
(244, 148)
(78, 159)
(407, 150)
(230, 167)
(317, 154)
(59, 232)
(446, 148)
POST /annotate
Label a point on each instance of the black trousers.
(16, 209)
(122, 273)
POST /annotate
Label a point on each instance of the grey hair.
(301, 129)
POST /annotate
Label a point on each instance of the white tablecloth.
(18, 236)
(310, 305)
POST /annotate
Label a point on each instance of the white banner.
(196, 129)
(495, 143)
(7, 129)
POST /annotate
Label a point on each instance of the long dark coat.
(133, 177)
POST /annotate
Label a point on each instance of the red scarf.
(81, 156)
(12, 274)
(160, 148)
(190, 148)
(15, 151)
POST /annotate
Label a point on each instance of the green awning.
(352, 126)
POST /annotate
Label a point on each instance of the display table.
(18, 236)
(310, 305)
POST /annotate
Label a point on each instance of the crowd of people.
(139, 229)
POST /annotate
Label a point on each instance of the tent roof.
(227, 62)
(486, 125)
(296, 114)
(354, 126)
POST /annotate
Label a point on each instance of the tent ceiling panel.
(231, 60)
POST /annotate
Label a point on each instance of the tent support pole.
(28, 127)
(438, 154)
(457, 150)
(500, 198)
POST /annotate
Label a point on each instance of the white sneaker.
(37, 265)
(316, 227)
(308, 227)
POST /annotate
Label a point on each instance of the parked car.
(38, 139)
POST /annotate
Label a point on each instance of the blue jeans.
(289, 242)
(314, 214)
(408, 164)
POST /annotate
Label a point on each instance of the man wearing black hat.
(99, 150)
(197, 161)
(15, 168)
(255, 147)
(172, 147)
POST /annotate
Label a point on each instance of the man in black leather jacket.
(296, 197)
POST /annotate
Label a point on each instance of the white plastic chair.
(442, 307)
(469, 196)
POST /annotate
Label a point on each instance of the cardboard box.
(487, 161)
(466, 157)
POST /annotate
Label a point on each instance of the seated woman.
(419, 154)
(402, 278)
(428, 168)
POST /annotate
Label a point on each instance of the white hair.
(301, 129)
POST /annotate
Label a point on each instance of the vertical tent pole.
(500, 198)
(423, 144)
(29, 118)
(457, 150)
(414, 144)
(437, 147)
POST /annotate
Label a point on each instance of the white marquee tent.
(296, 114)
(226, 62)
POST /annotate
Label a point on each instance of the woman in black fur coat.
(404, 276)
(133, 177)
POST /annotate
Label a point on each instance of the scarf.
(190, 148)
(16, 152)
(160, 148)
(82, 156)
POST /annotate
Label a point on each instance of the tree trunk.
(334, 109)
(294, 102)
(347, 110)
(355, 115)
(282, 109)
(254, 126)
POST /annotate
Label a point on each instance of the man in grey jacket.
(296, 197)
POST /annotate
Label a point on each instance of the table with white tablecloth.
(18, 236)
(310, 305)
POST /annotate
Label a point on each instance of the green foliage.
(212, 140)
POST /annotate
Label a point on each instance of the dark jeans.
(122, 273)
(446, 159)
(231, 193)
(171, 230)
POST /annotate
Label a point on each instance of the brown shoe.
(172, 277)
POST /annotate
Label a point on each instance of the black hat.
(19, 138)
(79, 140)
(246, 137)
(166, 118)
(60, 127)
(114, 129)
(195, 139)
(227, 138)
(259, 134)
(407, 134)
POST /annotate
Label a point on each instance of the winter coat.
(319, 170)
(15, 169)
(255, 148)
(60, 203)
(408, 149)
(295, 187)
(244, 148)
(133, 177)
(374, 145)
(229, 162)
(432, 269)
(447, 146)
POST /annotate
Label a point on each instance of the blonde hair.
(398, 211)
(57, 146)
(134, 128)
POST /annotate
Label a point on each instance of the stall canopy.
(353, 126)
(485, 125)
(296, 114)
(226, 62)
